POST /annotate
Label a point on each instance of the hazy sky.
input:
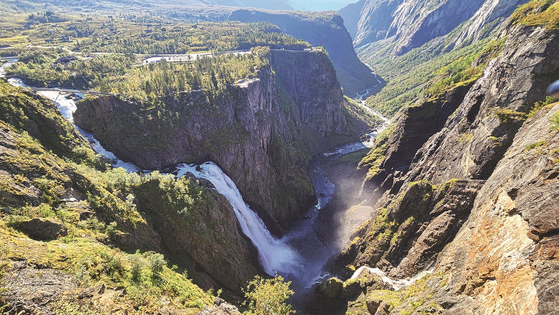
(320, 5)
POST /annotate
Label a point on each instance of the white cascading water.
(274, 254)
(67, 107)
(396, 284)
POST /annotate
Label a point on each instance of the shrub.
(268, 296)
(156, 264)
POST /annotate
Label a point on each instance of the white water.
(67, 107)
(396, 284)
(5, 65)
(274, 254)
(370, 141)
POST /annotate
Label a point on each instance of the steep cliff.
(397, 146)
(475, 199)
(324, 29)
(257, 131)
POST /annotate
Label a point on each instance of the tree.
(268, 296)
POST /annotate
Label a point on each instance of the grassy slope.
(40, 173)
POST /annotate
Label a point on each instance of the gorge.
(257, 163)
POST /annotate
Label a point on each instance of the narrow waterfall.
(274, 254)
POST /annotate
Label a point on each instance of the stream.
(299, 255)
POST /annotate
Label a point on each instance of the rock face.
(505, 256)
(477, 199)
(489, 115)
(409, 230)
(413, 128)
(256, 131)
(324, 29)
(207, 239)
(389, 19)
(43, 229)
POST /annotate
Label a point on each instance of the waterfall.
(274, 254)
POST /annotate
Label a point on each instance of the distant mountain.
(23, 5)
(324, 29)
(370, 21)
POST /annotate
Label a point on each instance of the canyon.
(450, 210)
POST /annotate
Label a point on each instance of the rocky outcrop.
(491, 12)
(43, 229)
(220, 307)
(412, 129)
(312, 83)
(483, 127)
(408, 230)
(255, 131)
(325, 29)
(476, 200)
(505, 256)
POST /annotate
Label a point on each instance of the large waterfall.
(274, 254)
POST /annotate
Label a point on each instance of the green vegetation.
(539, 105)
(39, 173)
(407, 300)
(409, 75)
(554, 122)
(117, 74)
(508, 116)
(535, 145)
(356, 111)
(268, 296)
(465, 137)
(373, 159)
(538, 13)
(57, 68)
(141, 35)
(429, 71)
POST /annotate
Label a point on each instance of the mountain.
(468, 176)
(408, 56)
(389, 20)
